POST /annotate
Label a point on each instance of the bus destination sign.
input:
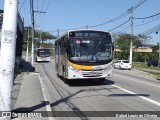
(87, 34)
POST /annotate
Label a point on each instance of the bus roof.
(87, 30)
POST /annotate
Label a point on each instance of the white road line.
(144, 98)
(48, 107)
(140, 81)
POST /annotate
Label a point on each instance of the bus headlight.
(74, 69)
(108, 68)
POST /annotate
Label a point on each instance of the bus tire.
(101, 80)
(66, 81)
(114, 67)
(58, 75)
(64, 75)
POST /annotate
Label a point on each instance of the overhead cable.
(22, 5)
(117, 18)
(148, 16)
(120, 25)
(147, 22)
(139, 4)
(45, 11)
(152, 30)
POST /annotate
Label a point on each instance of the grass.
(157, 75)
(143, 67)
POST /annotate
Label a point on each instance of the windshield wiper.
(99, 43)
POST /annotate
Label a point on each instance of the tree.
(155, 48)
(144, 38)
(123, 43)
(155, 51)
(44, 36)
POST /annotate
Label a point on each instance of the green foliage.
(155, 48)
(123, 43)
(37, 34)
(144, 38)
(138, 56)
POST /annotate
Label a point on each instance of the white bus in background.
(42, 55)
(84, 54)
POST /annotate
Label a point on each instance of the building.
(20, 32)
(144, 48)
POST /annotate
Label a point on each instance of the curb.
(146, 73)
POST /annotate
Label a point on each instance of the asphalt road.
(128, 91)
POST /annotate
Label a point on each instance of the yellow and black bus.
(84, 54)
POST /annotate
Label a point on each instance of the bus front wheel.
(101, 80)
(66, 81)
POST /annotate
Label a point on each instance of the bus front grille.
(92, 74)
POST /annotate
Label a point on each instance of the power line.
(124, 29)
(120, 25)
(139, 4)
(48, 5)
(148, 16)
(152, 30)
(45, 11)
(37, 4)
(120, 16)
(115, 19)
(147, 22)
(40, 20)
(22, 4)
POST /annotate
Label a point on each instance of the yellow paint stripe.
(80, 67)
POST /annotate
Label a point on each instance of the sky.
(93, 14)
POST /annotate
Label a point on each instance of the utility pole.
(8, 48)
(159, 51)
(41, 41)
(58, 31)
(27, 44)
(32, 50)
(131, 43)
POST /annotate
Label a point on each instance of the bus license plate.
(92, 73)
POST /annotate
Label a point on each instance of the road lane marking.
(144, 98)
(48, 107)
(140, 81)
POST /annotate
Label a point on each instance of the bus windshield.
(90, 49)
(43, 52)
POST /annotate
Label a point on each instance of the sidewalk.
(28, 94)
